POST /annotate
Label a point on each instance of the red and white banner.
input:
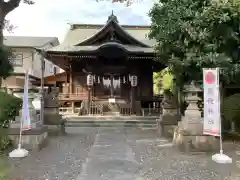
(212, 115)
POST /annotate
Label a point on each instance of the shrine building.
(108, 68)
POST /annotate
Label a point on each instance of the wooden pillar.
(111, 83)
(66, 81)
(133, 99)
(70, 80)
(133, 93)
(89, 84)
(73, 106)
(89, 100)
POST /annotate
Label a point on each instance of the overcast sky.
(51, 17)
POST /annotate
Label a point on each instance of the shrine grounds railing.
(97, 110)
(125, 111)
(72, 96)
(151, 111)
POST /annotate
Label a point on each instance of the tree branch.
(10, 6)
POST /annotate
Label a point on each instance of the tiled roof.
(81, 32)
(29, 41)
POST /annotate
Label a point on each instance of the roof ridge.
(33, 36)
(75, 25)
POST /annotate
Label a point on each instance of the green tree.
(5, 8)
(163, 81)
(6, 67)
(196, 34)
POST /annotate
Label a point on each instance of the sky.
(52, 17)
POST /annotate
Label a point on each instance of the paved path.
(118, 154)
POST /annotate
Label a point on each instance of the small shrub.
(231, 110)
(9, 109)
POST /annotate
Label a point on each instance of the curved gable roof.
(112, 25)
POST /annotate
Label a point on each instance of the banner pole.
(20, 134)
(220, 158)
(219, 110)
(20, 152)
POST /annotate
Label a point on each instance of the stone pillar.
(188, 136)
(170, 116)
(51, 108)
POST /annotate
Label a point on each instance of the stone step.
(111, 123)
(111, 113)
(104, 118)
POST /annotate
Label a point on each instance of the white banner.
(26, 116)
(212, 115)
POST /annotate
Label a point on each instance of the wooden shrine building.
(110, 67)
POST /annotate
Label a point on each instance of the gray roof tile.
(29, 41)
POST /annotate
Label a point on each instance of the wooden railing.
(124, 111)
(73, 96)
(151, 111)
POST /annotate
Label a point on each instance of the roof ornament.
(112, 17)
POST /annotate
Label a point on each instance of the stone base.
(52, 119)
(166, 130)
(167, 123)
(167, 119)
(32, 140)
(186, 142)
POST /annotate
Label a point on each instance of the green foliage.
(9, 108)
(157, 79)
(167, 80)
(196, 34)
(6, 67)
(163, 80)
(231, 109)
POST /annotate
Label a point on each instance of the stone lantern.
(170, 116)
(192, 121)
(188, 136)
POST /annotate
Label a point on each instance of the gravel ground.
(119, 153)
(60, 160)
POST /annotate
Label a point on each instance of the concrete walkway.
(110, 157)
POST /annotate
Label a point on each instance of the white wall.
(32, 62)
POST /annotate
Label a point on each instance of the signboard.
(212, 116)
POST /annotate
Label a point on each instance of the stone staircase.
(118, 121)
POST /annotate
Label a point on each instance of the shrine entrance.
(112, 85)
